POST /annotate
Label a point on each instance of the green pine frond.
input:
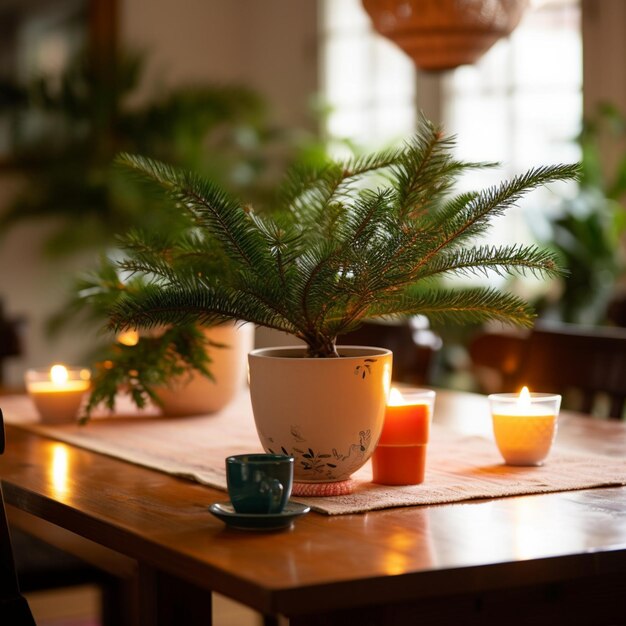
(191, 303)
(160, 259)
(367, 163)
(459, 305)
(366, 219)
(421, 168)
(426, 170)
(213, 209)
(503, 260)
(305, 181)
(347, 241)
(283, 238)
(472, 218)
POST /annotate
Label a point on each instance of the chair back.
(496, 358)
(13, 606)
(587, 365)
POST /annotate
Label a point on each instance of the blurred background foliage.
(66, 133)
(587, 231)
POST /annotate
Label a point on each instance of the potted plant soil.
(344, 242)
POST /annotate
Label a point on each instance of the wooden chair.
(10, 339)
(14, 607)
(496, 358)
(587, 365)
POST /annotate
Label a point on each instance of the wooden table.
(544, 559)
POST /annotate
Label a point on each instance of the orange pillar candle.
(400, 457)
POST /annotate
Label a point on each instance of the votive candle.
(400, 456)
(524, 425)
(57, 392)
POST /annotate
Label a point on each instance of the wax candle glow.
(57, 392)
(524, 425)
(128, 338)
(400, 457)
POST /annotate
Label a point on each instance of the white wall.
(32, 287)
(268, 44)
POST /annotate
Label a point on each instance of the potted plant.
(184, 370)
(343, 242)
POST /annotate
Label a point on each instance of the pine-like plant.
(344, 242)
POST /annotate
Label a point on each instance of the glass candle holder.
(524, 425)
(400, 456)
(57, 392)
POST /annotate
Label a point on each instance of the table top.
(328, 563)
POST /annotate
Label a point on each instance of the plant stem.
(320, 346)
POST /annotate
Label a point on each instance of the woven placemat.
(459, 467)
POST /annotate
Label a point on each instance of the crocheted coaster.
(340, 488)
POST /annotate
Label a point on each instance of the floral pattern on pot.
(365, 368)
(324, 464)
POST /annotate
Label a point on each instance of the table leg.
(165, 600)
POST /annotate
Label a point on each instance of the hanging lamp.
(443, 34)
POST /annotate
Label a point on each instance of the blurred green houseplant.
(587, 231)
(67, 132)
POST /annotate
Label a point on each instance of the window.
(520, 105)
(368, 83)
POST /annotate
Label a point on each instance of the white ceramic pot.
(197, 395)
(327, 413)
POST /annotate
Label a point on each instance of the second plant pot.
(197, 395)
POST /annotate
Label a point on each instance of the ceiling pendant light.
(443, 34)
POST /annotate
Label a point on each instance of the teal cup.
(259, 483)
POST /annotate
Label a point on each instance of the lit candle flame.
(128, 338)
(395, 398)
(58, 374)
(523, 401)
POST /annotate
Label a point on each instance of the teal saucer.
(258, 521)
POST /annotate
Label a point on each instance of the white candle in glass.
(57, 392)
(524, 425)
